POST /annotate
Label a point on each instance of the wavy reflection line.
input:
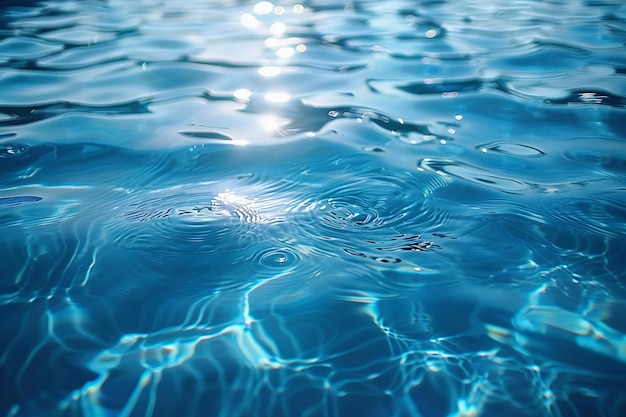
(474, 174)
(28, 114)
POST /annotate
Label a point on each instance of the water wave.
(312, 208)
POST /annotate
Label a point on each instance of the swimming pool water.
(316, 208)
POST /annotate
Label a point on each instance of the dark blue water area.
(368, 208)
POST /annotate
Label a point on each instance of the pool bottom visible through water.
(312, 209)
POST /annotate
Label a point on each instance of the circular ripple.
(278, 258)
(230, 204)
(611, 164)
(355, 214)
(176, 222)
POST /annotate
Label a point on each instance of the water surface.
(375, 208)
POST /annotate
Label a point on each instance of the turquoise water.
(377, 208)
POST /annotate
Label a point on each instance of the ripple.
(374, 201)
(313, 114)
(82, 58)
(78, 35)
(278, 258)
(230, 204)
(18, 200)
(216, 136)
(602, 216)
(430, 86)
(24, 114)
(474, 174)
(26, 48)
(590, 97)
(396, 243)
(598, 159)
(514, 149)
(185, 222)
(342, 215)
(323, 267)
(441, 86)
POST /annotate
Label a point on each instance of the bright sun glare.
(274, 20)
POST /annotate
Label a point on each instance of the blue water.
(376, 208)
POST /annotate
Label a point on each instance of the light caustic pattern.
(312, 209)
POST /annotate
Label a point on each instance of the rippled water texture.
(317, 209)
